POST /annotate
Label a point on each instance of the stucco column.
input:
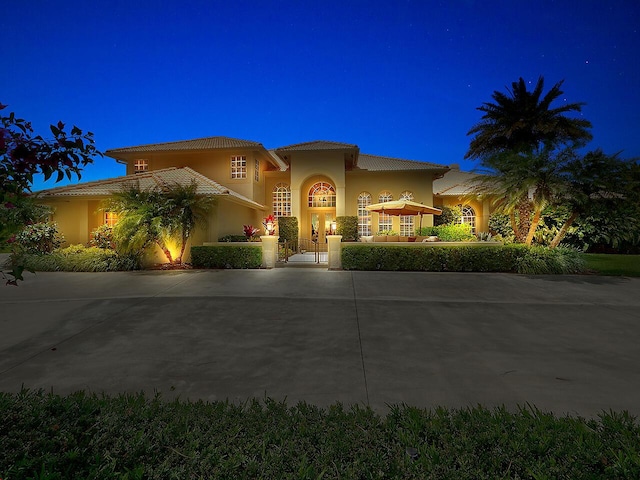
(269, 250)
(334, 252)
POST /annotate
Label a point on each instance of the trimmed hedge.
(462, 258)
(227, 256)
(348, 228)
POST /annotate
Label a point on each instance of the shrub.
(227, 256)
(288, 230)
(102, 237)
(39, 238)
(348, 228)
(457, 232)
(78, 258)
(233, 238)
(452, 258)
(449, 215)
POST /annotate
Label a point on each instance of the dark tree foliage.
(523, 121)
(24, 155)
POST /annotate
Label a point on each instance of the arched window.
(281, 200)
(406, 221)
(469, 217)
(384, 221)
(364, 215)
(322, 195)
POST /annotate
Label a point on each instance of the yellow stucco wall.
(214, 164)
(481, 209)
(417, 182)
(76, 218)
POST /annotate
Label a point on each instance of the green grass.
(132, 436)
(608, 264)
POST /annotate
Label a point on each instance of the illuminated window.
(281, 200)
(469, 217)
(406, 221)
(238, 166)
(385, 222)
(364, 215)
(110, 219)
(140, 165)
(322, 195)
(256, 172)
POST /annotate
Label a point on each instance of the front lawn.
(134, 437)
(608, 264)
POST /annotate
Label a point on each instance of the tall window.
(364, 215)
(110, 219)
(406, 221)
(256, 172)
(140, 165)
(281, 200)
(322, 195)
(238, 166)
(384, 221)
(469, 217)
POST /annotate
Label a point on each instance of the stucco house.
(314, 181)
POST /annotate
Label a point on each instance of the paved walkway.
(564, 343)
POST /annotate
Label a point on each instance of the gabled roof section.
(148, 180)
(455, 183)
(376, 163)
(206, 143)
(316, 145)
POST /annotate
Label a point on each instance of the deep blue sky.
(398, 78)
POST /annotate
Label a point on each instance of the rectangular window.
(406, 225)
(256, 173)
(140, 165)
(238, 166)
(110, 219)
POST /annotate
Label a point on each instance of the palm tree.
(145, 217)
(185, 210)
(528, 182)
(522, 121)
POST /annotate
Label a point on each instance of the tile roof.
(376, 163)
(316, 145)
(455, 183)
(147, 180)
(206, 143)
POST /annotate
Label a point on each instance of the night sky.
(397, 78)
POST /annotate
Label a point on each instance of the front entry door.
(320, 226)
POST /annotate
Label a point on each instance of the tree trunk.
(165, 250)
(534, 225)
(563, 231)
(182, 248)
(524, 220)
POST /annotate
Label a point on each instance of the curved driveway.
(570, 344)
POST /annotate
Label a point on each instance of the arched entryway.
(319, 210)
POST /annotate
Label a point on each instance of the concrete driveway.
(570, 344)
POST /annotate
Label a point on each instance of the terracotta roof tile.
(316, 145)
(455, 183)
(206, 143)
(146, 180)
(376, 163)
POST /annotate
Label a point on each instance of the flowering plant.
(250, 231)
(270, 220)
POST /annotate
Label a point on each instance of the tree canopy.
(523, 121)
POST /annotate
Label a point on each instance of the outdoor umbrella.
(403, 207)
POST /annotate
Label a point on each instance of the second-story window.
(256, 172)
(238, 166)
(140, 165)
